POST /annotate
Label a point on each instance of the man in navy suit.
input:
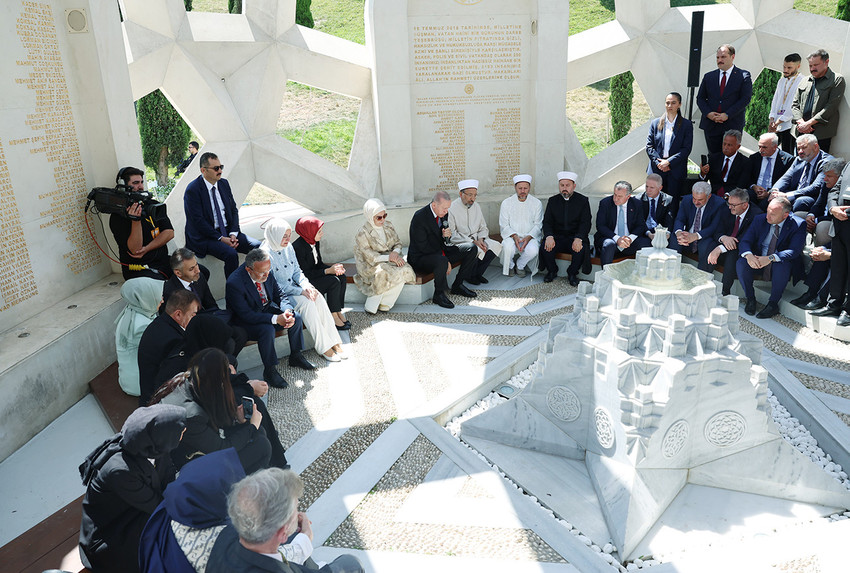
(803, 181)
(212, 220)
(723, 98)
(657, 205)
(620, 225)
(696, 223)
(260, 307)
(728, 169)
(431, 252)
(771, 247)
(730, 230)
(766, 168)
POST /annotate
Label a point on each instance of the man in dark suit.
(696, 223)
(263, 514)
(771, 246)
(620, 225)
(766, 168)
(803, 180)
(728, 169)
(566, 228)
(431, 252)
(260, 307)
(657, 206)
(838, 302)
(188, 275)
(731, 228)
(817, 101)
(723, 97)
(212, 220)
(162, 342)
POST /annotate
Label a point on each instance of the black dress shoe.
(482, 280)
(463, 291)
(573, 280)
(474, 281)
(274, 379)
(815, 304)
(802, 301)
(843, 319)
(549, 277)
(826, 311)
(440, 299)
(298, 361)
(750, 307)
(770, 310)
(345, 326)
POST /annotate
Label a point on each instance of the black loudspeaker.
(697, 20)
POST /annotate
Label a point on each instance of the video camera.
(118, 199)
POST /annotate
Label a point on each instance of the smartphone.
(247, 407)
(703, 159)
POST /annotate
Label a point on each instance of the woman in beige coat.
(381, 270)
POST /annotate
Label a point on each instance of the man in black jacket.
(658, 208)
(163, 340)
(566, 227)
(728, 168)
(431, 252)
(730, 229)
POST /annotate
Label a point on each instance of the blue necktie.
(217, 212)
(766, 178)
(621, 221)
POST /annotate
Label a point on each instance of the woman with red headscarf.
(328, 279)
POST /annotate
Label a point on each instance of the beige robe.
(375, 274)
(468, 225)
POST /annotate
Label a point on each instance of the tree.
(234, 6)
(758, 110)
(164, 134)
(303, 15)
(188, 4)
(620, 105)
(842, 11)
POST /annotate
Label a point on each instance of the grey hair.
(774, 139)
(255, 256)
(739, 194)
(807, 138)
(786, 204)
(180, 255)
(655, 177)
(623, 185)
(733, 133)
(701, 188)
(440, 196)
(260, 504)
(821, 53)
(836, 165)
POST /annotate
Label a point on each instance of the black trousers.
(563, 244)
(438, 263)
(333, 287)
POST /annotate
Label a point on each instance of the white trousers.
(319, 323)
(386, 299)
(509, 250)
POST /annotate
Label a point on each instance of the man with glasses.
(766, 168)
(729, 231)
(212, 219)
(466, 221)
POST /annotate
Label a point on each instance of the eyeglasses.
(734, 204)
(215, 167)
(380, 217)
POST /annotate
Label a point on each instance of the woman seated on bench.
(381, 270)
(328, 279)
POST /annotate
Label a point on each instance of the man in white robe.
(521, 225)
(466, 221)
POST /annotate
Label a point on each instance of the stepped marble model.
(647, 386)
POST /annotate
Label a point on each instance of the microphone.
(445, 225)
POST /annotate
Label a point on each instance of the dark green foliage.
(842, 11)
(303, 15)
(188, 4)
(234, 6)
(164, 134)
(620, 105)
(759, 109)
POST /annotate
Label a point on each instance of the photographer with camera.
(141, 231)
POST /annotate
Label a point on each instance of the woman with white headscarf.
(143, 296)
(381, 270)
(308, 301)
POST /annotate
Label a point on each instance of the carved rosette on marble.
(563, 403)
(604, 428)
(725, 429)
(674, 439)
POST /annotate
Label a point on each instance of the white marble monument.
(647, 386)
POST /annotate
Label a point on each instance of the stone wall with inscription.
(56, 144)
(465, 102)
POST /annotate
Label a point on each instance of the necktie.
(621, 220)
(725, 170)
(263, 298)
(771, 248)
(768, 171)
(737, 227)
(697, 227)
(652, 212)
(804, 180)
(194, 288)
(217, 212)
(722, 88)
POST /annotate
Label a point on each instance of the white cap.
(466, 184)
(524, 177)
(568, 175)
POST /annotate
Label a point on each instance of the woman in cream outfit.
(381, 270)
(312, 305)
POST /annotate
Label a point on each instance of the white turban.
(568, 175)
(524, 177)
(466, 184)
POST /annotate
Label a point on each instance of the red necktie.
(736, 227)
(725, 170)
(722, 83)
(262, 294)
